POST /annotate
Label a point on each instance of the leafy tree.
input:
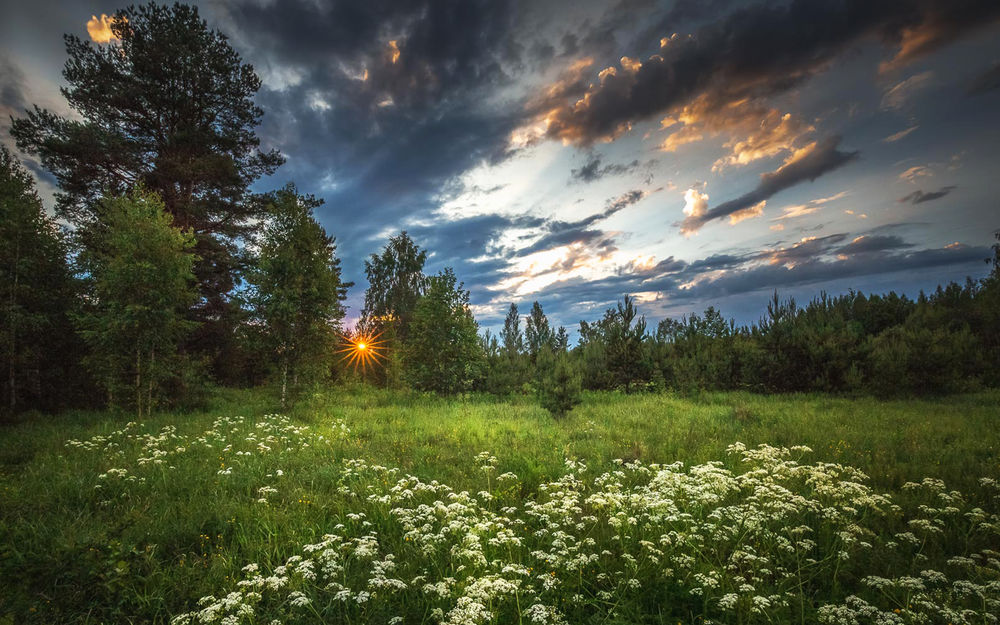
(560, 384)
(296, 291)
(538, 334)
(167, 104)
(443, 352)
(138, 270)
(36, 291)
(395, 283)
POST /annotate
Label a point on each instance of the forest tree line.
(165, 274)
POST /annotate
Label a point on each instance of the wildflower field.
(364, 506)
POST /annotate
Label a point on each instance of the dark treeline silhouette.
(174, 277)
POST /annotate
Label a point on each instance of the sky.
(687, 152)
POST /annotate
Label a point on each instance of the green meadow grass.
(158, 546)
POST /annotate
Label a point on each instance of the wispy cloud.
(919, 196)
(899, 135)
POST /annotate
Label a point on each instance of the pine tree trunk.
(138, 380)
(284, 382)
(149, 388)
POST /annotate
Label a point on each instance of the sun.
(363, 350)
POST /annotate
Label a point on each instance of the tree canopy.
(166, 104)
(296, 292)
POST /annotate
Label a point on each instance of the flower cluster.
(759, 537)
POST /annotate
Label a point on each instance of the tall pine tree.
(166, 104)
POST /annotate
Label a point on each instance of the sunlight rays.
(364, 350)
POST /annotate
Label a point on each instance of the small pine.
(560, 384)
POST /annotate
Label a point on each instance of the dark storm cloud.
(13, 103)
(987, 81)
(869, 244)
(566, 232)
(810, 163)
(779, 276)
(593, 170)
(12, 88)
(762, 50)
(919, 196)
(454, 240)
(379, 104)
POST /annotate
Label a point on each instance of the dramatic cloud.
(758, 51)
(807, 163)
(813, 260)
(12, 91)
(755, 132)
(695, 203)
(919, 197)
(463, 122)
(870, 244)
(593, 171)
(558, 233)
(934, 24)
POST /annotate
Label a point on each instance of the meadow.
(371, 506)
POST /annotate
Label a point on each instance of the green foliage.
(443, 352)
(885, 344)
(295, 289)
(38, 347)
(138, 274)
(537, 332)
(614, 350)
(169, 105)
(507, 369)
(511, 336)
(559, 384)
(396, 282)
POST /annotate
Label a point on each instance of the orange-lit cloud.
(695, 203)
(899, 135)
(800, 210)
(804, 164)
(773, 134)
(755, 132)
(393, 51)
(747, 213)
(916, 172)
(99, 28)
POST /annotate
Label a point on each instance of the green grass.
(73, 553)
